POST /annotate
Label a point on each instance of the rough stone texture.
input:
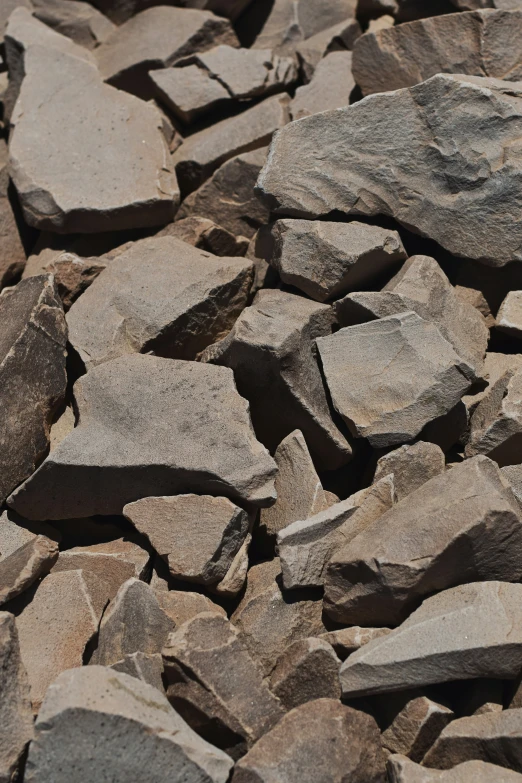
(496, 424)
(442, 145)
(182, 605)
(403, 374)
(270, 619)
(329, 88)
(216, 686)
(479, 43)
(339, 37)
(30, 562)
(32, 375)
(347, 640)
(79, 21)
(228, 196)
(13, 234)
(202, 233)
(145, 667)
(72, 274)
(16, 720)
(402, 770)
(272, 352)
(495, 366)
(412, 466)
(126, 425)
(416, 727)
(509, 317)
(15, 532)
(325, 260)
(513, 475)
(463, 525)
(307, 670)
(235, 578)
(160, 295)
(97, 723)
(156, 38)
(469, 631)
(319, 741)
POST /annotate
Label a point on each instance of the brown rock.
(347, 640)
(79, 21)
(416, 727)
(509, 317)
(72, 274)
(235, 578)
(147, 667)
(13, 234)
(202, 233)
(411, 466)
(30, 562)
(16, 720)
(513, 475)
(402, 770)
(307, 670)
(182, 605)
(15, 532)
(496, 424)
(338, 38)
(329, 88)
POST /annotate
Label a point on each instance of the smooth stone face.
(416, 727)
(16, 719)
(126, 423)
(509, 317)
(291, 22)
(380, 160)
(338, 38)
(403, 374)
(347, 640)
(84, 24)
(30, 562)
(182, 605)
(467, 632)
(412, 466)
(131, 725)
(496, 424)
(402, 770)
(329, 88)
(307, 670)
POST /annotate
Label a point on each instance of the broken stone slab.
(496, 424)
(306, 547)
(320, 740)
(412, 466)
(15, 532)
(403, 374)
(235, 578)
(347, 640)
(480, 43)
(463, 525)
(509, 317)
(338, 38)
(402, 770)
(182, 605)
(159, 295)
(16, 719)
(326, 259)
(416, 727)
(126, 423)
(228, 198)
(307, 670)
(329, 88)
(132, 726)
(26, 565)
(495, 366)
(233, 712)
(470, 631)
(202, 233)
(146, 667)
(80, 21)
(272, 352)
(72, 274)
(32, 375)
(461, 211)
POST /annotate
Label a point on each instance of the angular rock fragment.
(290, 22)
(126, 425)
(16, 719)
(307, 670)
(513, 475)
(509, 317)
(20, 569)
(15, 532)
(182, 605)
(402, 770)
(495, 366)
(79, 21)
(403, 374)
(72, 274)
(335, 161)
(159, 295)
(235, 578)
(206, 235)
(412, 466)
(135, 732)
(147, 667)
(232, 711)
(338, 38)
(463, 525)
(32, 375)
(326, 259)
(347, 640)
(13, 235)
(467, 632)
(271, 350)
(496, 424)
(329, 88)
(416, 727)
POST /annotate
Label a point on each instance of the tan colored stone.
(496, 424)
(509, 317)
(329, 88)
(416, 727)
(79, 21)
(338, 38)
(402, 770)
(16, 719)
(182, 605)
(202, 233)
(347, 640)
(307, 670)
(30, 562)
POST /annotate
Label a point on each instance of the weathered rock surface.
(496, 424)
(126, 424)
(403, 374)
(495, 366)
(20, 569)
(329, 88)
(307, 670)
(289, 23)
(449, 196)
(72, 274)
(131, 725)
(160, 295)
(509, 317)
(80, 21)
(182, 605)
(338, 38)
(402, 770)
(513, 475)
(347, 640)
(16, 719)
(15, 532)
(272, 352)
(206, 235)
(147, 667)
(235, 578)
(13, 233)
(416, 727)
(412, 466)
(326, 259)
(467, 632)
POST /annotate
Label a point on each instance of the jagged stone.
(79, 21)
(16, 719)
(382, 23)
(338, 38)
(416, 727)
(202, 233)
(402, 770)
(72, 274)
(235, 578)
(347, 640)
(509, 317)
(13, 235)
(513, 475)
(495, 366)
(147, 667)
(496, 424)
(182, 605)
(30, 562)
(307, 670)
(15, 532)
(412, 466)
(329, 88)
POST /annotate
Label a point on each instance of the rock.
(513, 475)
(206, 235)
(412, 466)
(479, 43)
(320, 740)
(450, 197)
(271, 350)
(15, 532)
(329, 88)
(72, 274)
(126, 423)
(30, 562)
(403, 375)
(182, 605)
(231, 9)
(145, 667)
(340, 37)
(203, 152)
(16, 719)
(496, 424)
(6, 9)
(216, 686)
(422, 286)
(347, 640)
(81, 22)
(156, 38)
(325, 260)
(13, 233)
(306, 547)
(467, 632)
(509, 317)
(32, 375)
(235, 578)
(416, 727)
(495, 366)
(307, 670)
(402, 770)
(463, 525)
(477, 300)
(228, 196)
(382, 23)
(134, 730)
(160, 295)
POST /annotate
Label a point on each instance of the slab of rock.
(132, 726)
(345, 641)
(80, 21)
(147, 667)
(72, 274)
(16, 719)
(160, 295)
(30, 562)
(228, 196)
(307, 670)
(32, 375)
(216, 686)
(509, 317)
(416, 727)
(126, 425)
(402, 770)
(326, 259)
(496, 424)
(289, 23)
(320, 740)
(235, 578)
(329, 88)
(335, 161)
(14, 235)
(338, 38)
(412, 466)
(463, 525)
(403, 374)
(272, 352)
(206, 235)
(467, 632)
(182, 605)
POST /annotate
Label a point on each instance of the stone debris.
(402, 770)
(307, 670)
(411, 466)
(330, 87)
(416, 727)
(338, 38)
(80, 21)
(509, 317)
(72, 274)
(496, 424)
(347, 640)
(147, 667)
(16, 718)
(26, 565)
(202, 233)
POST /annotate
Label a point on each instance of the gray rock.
(513, 475)
(79, 21)
(338, 38)
(411, 466)
(202, 233)
(347, 640)
(135, 732)
(416, 727)
(403, 374)
(495, 366)
(235, 578)
(509, 317)
(377, 157)
(402, 770)
(30, 562)
(325, 260)
(496, 424)
(307, 670)
(126, 425)
(329, 88)
(15, 532)
(16, 719)
(147, 667)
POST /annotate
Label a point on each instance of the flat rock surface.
(25, 565)
(411, 466)
(402, 770)
(496, 424)
(329, 88)
(509, 317)
(416, 727)
(307, 670)
(81, 22)
(16, 719)
(290, 22)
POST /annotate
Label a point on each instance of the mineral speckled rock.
(402, 770)
(412, 466)
(24, 566)
(126, 423)
(289, 22)
(79, 21)
(307, 670)
(329, 88)
(416, 727)
(16, 719)
(496, 424)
